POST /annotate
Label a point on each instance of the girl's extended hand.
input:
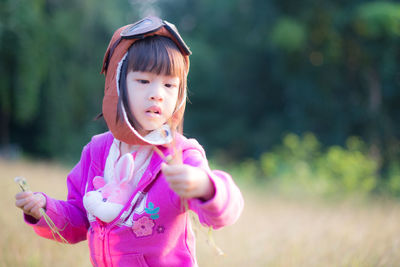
(30, 203)
(188, 181)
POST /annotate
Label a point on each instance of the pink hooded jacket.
(152, 229)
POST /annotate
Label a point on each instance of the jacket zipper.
(103, 227)
(103, 242)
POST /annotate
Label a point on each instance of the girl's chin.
(146, 130)
(143, 133)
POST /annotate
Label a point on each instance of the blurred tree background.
(278, 89)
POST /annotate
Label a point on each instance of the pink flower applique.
(160, 229)
(143, 226)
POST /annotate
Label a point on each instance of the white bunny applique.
(110, 197)
(114, 190)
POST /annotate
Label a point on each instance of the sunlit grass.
(273, 230)
(19, 245)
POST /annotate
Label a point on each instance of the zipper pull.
(101, 235)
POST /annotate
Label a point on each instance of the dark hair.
(155, 54)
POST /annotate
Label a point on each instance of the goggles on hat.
(152, 26)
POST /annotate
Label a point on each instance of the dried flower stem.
(55, 231)
(176, 158)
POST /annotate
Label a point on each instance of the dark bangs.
(159, 55)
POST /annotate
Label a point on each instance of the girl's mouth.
(154, 111)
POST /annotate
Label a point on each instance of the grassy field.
(273, 230)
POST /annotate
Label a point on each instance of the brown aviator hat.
(116, 52)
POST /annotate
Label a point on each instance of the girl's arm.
(218, 200)
(225, 207)
(68, 216)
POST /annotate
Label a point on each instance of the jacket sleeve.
(68, 216)
(225, 207)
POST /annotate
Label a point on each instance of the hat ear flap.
(107, 56)
(115, 40)
(106, 60)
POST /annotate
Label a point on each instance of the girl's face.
(152, 99)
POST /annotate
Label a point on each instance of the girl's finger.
(29, 206)
(174, 179)
(36, 211)
(21, 202)
(23, 195)
(172, 169)
(181, 190)
(167, 169)
(35, 202)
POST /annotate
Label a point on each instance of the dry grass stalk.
(55, 231)
(176, 158)
(272, 231)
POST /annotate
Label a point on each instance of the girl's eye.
(143, 81)
(169, 85)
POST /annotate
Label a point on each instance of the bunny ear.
(125, 167)
(98, 182)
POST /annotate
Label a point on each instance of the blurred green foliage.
(301, 165)
(288, 34)
(301, 162)
(51, 89)
(378, 19)
(259, 69)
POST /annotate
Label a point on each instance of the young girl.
(129, 192)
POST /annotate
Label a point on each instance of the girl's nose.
(156, 97)
(156, 93)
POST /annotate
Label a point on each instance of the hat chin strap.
(160, 136)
